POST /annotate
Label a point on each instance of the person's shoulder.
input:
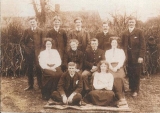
(79, 51)
(100, 50)
(138, 30)
(110, 74)
(39, 29)
(54, 50)
(43, 52)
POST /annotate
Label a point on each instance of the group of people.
(75, 69)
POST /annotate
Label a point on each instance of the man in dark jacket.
(32, 43)
(69, 87)
(59, 36)
(80, 34)
(92, 58)
(103, 37)
(133, 43)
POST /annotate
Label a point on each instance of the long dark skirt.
(101, 97)
(50, 81)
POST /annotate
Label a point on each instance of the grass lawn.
(15, 99)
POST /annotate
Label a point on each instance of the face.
(105, 27)
(78, 23)
(73, 45)
(94, 44)
(33, 23)
(114, 44)
(103, 67)
(57, 23)
(72, 69)
(131, 23)
(48, 45)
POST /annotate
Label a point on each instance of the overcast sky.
(144, 9)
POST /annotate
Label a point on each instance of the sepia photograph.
(67, 56)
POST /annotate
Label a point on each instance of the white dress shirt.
(115, 55)
(131, 29)
(103, 80)
(49, 57)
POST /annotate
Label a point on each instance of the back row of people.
(85, 51)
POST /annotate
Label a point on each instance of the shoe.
(28, 88)
(134, 94)
(122, 103)
(52, 102)
(82, 103)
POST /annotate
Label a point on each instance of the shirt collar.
(72, 75)
(131, 29)
(33, 28)
(56, 29)
(78, 29)
(105, 32)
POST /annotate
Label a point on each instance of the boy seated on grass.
(69, 88)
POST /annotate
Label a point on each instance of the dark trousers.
(57, 97)
(118, 88)
(50, 82)
(134, 72)
(30, 61)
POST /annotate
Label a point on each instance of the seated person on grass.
(69, 88)
(107, 90)
(74, 55)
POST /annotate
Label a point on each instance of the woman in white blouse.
(50, 61)
(116, 58)
(103, 84)
(107, 90)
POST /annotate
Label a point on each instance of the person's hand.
(53, 69)
(140, 60)
(64, 99)
(70, 98)
(115, 69)
(94, 67)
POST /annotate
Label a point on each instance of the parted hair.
(48, 39)
(115, 38)
(102, 62)
(71, 64)
(74, 40)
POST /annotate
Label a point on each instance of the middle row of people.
(86, 63)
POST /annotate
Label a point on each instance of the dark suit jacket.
(137, 44)
(92, 59)
(64, 83)
(83, 37)
(32, 41)
(78, 58)
(60, 39)
(104, 41)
